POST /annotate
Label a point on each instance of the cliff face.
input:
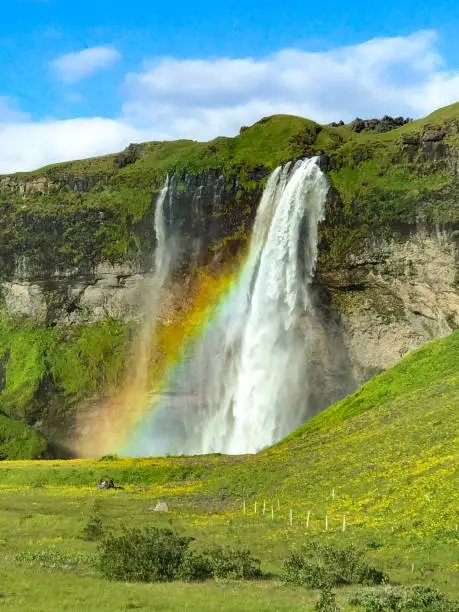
(77, 246)
(395, 294)
(82, 281)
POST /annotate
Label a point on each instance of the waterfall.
(165, 254)
(243, 385)
(162, 257)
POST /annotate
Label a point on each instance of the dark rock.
(258, 173)
(411, 139)
(434, 151)
(105, 484)
(358, 125)
(433, 134)
(130, 155)
(377, 125)
(324, 163)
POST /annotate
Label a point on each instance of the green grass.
(386, 458)
(46, 373)
(24, 592)
(19, 441)
(428, 365)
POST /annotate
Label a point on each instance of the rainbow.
(113, 425)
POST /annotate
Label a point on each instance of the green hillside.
(404, 175)
(386, 458)
(420, 369)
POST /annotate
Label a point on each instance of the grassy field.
(386, 458)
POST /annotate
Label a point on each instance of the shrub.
(403, 599)
(327, 601)
(232, 563)
(317, 565)
(149, 555)
(195, 567)
(299, 570)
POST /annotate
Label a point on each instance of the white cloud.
(25, 146)
(73, 67)
(202, 99)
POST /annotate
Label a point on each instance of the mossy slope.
(19, 441)
(46, 373)
(432, 364)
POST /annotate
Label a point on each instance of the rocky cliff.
(77, 246)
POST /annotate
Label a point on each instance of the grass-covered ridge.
(390, 470)
(97, 208)
(431, 365)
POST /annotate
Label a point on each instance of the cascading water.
(244, 384)
(162, 255)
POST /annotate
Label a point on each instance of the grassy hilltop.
(386, 457)
(97, 205)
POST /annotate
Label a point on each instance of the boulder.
(161, 506)
(105, 484)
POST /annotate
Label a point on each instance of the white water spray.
(244, 386)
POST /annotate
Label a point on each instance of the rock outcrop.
(396, 294)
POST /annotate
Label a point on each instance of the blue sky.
(86, 78)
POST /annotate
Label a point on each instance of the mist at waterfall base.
(242, 384)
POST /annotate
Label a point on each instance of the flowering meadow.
(383, 478)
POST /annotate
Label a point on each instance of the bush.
(195, 567)
(317, 566)
(149, 555)
(299, 570)
(158, 555)
(403, 599)
(327, 601)
(232, 563)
